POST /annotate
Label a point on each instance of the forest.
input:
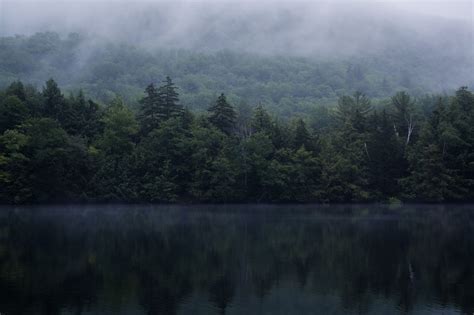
(69, 148)
(287, 85)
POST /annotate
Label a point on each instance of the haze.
(284, 27)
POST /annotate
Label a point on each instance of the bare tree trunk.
(411, 127)
(366, 150)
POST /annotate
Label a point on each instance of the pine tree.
(222, 115)
(149, 115)
(54, 102)
(169, 101)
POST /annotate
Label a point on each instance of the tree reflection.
(82, 259)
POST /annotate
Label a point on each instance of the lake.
(247, 259)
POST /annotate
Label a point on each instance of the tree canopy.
(69, 148)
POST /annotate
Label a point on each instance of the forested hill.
(57, 148)
(287, 85)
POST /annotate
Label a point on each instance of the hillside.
(286, 84)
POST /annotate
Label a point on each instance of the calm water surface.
(237, 260)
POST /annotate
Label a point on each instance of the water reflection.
(237, 259)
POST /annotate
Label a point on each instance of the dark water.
(237, 260)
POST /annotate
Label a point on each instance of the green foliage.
(150, 114)
(13, 168)
(404, 116)
(353, 111)
(293, 176)
(302, 137)
(286, 85)
(386, 160)
(42, 163)
(55, 149)
(222, 115)
(441, 161)
(12, 112)
(261, 120)
(54, 102)
(120, 126)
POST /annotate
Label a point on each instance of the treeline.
(69, 149)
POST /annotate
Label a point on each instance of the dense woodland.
(56, 148)
(287, 85)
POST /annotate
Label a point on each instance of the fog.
(313, 28)
(425, 46)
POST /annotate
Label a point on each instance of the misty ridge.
(268, 27)
(419, 47)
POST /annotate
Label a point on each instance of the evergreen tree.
(261, 120)
(222, 115)
(169, 101)
(302, 136)
(151, 110)
(54, 102)
(159, 105)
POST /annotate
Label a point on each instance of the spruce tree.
(222, 115)
(169, 101)
(149, 115)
